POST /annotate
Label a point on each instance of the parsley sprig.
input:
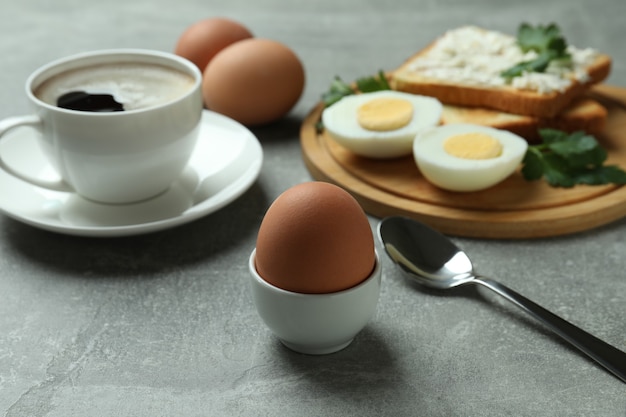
(546, 41)
(339, 88)
(566, 160)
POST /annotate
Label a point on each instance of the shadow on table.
(143, 254)
(284, 130)
(365, 368)
(499, 306)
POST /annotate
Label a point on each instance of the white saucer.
(225, 163)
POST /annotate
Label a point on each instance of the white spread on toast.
(475, 56)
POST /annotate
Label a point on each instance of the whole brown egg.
(254, 81)
(315, 239)
(201, 41)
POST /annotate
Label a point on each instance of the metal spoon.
(434, 261)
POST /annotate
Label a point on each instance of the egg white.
(340, 121)
(459, 174)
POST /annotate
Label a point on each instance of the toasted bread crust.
(582, 114)
(502, 98)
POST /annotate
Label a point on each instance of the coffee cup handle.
(35, 122)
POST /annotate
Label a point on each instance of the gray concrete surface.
(163, 324)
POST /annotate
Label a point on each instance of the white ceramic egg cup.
(316, 324)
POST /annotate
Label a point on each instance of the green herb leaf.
(546, 41)
(557, 172)
(566, 145)
(611, 174)
(579, 149)
(550, 136)
(371, 84)
(601, 175)
(532, 164)
(566, 160)
(536, 65)
(583, 153)
(537, 38)
(339, 89)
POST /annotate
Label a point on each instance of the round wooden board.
(513, 209)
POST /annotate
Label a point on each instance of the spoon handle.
(613, 359)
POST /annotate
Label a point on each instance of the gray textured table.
(163, 324)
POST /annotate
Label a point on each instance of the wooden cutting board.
(513, 209)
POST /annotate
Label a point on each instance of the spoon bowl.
(433, 260)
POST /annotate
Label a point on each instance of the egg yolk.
(384, 114)
(473, 146)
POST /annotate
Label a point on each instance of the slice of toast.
(463, 68)
(582, 114)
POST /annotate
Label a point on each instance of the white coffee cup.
(117, 156)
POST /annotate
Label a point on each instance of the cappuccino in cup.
(118, 126)
(123, 86)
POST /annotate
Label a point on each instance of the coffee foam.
(135, 85)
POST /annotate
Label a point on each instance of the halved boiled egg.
(466, 157)
(381, 124)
